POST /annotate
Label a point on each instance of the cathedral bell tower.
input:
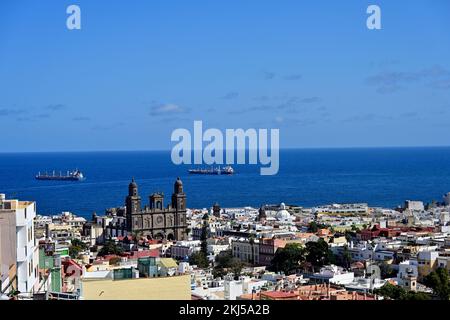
(216, 210)
(132, 202)
(178, 196)
(179, 205)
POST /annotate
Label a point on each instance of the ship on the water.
(75, 175)
(212, 170)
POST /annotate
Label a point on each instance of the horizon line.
(285, 148)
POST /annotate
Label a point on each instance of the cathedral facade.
(155, 220)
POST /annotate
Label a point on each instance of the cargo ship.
(76, 175)
(213, 171)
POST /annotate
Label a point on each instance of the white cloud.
(164, 109)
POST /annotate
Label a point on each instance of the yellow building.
(427, 262)
(165, 288)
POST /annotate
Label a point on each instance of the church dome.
(283, 214)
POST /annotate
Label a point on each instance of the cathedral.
(155, 220)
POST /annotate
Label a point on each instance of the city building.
(154, 220)
(235, 288)
(247, 250)
(19, 255)
(342, 209)
(427, 261)
(414, 205)
(333, 274)
(8, 250)
(268, 248)
(159, 288)
(184, 249)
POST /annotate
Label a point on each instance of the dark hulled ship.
(213, 171)
(76, 175)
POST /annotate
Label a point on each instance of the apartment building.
(427, 262)
(19, 255)
(246, 250)
(268, 248)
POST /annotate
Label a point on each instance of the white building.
(444, 218)
(215, 249)
(245, 285)
(334, 274)
(283, 215)
(414, 205)
(362, 284)
(19, 236)
(348, 208)
(184, 267)
(407, 274)
(183, 249)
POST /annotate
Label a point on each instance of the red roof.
(70, 263)
(143, 254)
(279, 294)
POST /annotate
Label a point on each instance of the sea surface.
(307, 177)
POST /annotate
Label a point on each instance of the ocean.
(307, 177)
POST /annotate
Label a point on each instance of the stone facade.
(155, 220)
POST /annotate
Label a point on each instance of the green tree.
(76, 247)
(417, 296)
(349, 235)
(317, 253)
(439, 281)
(346, 257)
(398, 293)
(110, 247)
(223, 259)
(219, 272)
(199, 259)
(386, 270)
(236, 267)
(313, 227)
(288, 259)
(204, 235)
(204, 242)
(226, 262)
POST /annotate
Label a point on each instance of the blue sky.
(139, 69)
